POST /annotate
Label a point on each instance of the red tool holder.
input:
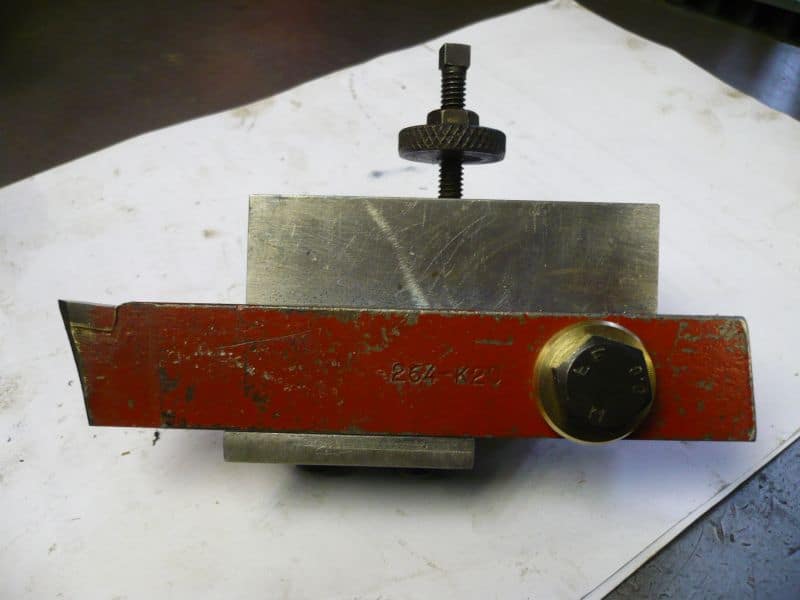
(433, 373)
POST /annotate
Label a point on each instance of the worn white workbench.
(114, 513)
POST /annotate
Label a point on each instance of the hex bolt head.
(454, 55)
(601, 382)
(604, 385)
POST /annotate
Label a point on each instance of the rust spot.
(705, 385)
(189, 396)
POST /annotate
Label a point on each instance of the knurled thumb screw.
(453, 135)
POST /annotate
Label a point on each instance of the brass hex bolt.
(596, 382)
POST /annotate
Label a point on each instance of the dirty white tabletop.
(592, 113)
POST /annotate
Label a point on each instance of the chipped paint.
(411, 319)
(165, 382)
(219, 366)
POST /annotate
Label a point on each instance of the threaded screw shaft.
(451, 170)
(450, 173)
(454, 83)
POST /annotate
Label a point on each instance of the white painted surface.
(592, 113)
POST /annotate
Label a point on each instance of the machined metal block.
(498, 255)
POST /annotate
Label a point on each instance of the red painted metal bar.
(438, 373)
